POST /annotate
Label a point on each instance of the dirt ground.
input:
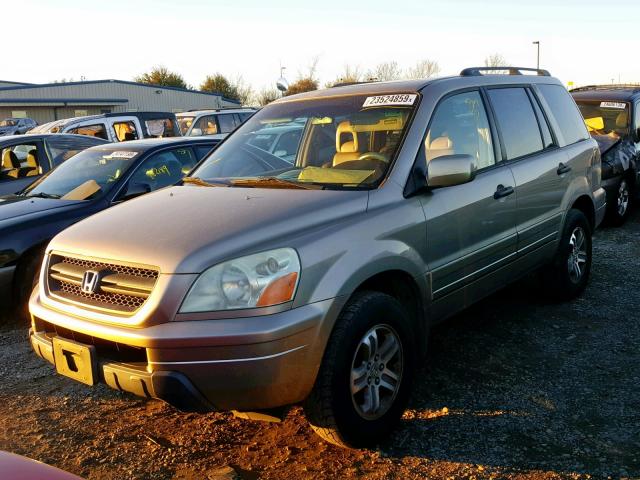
(514, 388)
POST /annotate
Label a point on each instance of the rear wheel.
(567, 276)
(364, 381)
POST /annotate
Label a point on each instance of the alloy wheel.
(376, 372)
(577, 254)
(623, 198)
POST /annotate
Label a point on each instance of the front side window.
(97, 130)
(344, 142)
(460, 126)
(517, 121)
(19, 161)
(164, 168)
(62, 148)
(88, 175)
(125, 131)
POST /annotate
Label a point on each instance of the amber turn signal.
(278, 291)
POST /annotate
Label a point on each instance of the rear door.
(471, 227)
(539, 166)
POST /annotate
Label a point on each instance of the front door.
(470, 227)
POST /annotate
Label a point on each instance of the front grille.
(120, 288)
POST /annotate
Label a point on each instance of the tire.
(352, 420)
(621, 204)
(568, 274)
(26, 279)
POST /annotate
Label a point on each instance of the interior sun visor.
(594, 123)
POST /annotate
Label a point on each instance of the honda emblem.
(90, 281)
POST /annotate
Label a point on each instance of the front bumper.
(246, 364)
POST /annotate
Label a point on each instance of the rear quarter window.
(565, 112)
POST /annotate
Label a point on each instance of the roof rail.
(612, 86)
(218, 109)
(476, 71)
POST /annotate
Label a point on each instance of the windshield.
(87, 175)
(185, 124)
(604, 118)
(337, 142)
(8, 123)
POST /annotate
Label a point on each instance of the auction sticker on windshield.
(613, 105)
(390, 100)
(120, 154)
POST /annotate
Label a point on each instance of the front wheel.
(621, 205)
(567, 276)
(365, 378)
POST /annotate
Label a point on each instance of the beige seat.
(10, 164)
(622, 120)
(438, 147)
(347, 151)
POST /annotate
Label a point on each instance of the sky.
(583, 42)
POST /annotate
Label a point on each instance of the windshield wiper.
(203, 183)
(43, 195)
(274, 182)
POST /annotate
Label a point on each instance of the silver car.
(261, 283)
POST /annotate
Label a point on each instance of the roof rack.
(612, 86)
(476, 71)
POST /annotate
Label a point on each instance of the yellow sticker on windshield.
(390, 100)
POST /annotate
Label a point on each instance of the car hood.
(187, 229)
(12, 206)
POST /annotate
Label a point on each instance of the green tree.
(218, 83)
(160, 75)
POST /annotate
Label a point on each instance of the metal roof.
(123, 82)
(621, 93)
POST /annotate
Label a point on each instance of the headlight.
(259, 280)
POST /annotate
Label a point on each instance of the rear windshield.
(605, 118)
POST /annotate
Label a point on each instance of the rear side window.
(564, 110)
(227, 123)
(517, 121)
(125, 131)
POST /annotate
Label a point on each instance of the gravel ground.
(513, 388)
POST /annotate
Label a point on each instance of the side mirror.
(449, 170)
(196, 132)
(135, 190)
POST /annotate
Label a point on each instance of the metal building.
(52, 101)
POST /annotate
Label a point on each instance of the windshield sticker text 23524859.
(389, 100)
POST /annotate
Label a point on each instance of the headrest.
(345, 127)
(348, 147)
(10, 160)
(31, 158)
(622, 119)
(441, 143)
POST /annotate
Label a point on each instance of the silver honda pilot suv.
(259, 283)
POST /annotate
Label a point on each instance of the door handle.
(562, 169)
(502, 192)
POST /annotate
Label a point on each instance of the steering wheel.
(381, 157)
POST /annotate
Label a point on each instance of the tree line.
(237, 89)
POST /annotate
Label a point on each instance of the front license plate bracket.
(75, 360)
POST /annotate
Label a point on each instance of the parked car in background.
(117, 127)
(16, 126)
(281, 141)
(17, 467)
(89, 182)
(25, 158)
(317, 282)
(217, 123)
(612, 115)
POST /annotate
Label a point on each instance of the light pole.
(537, 42)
